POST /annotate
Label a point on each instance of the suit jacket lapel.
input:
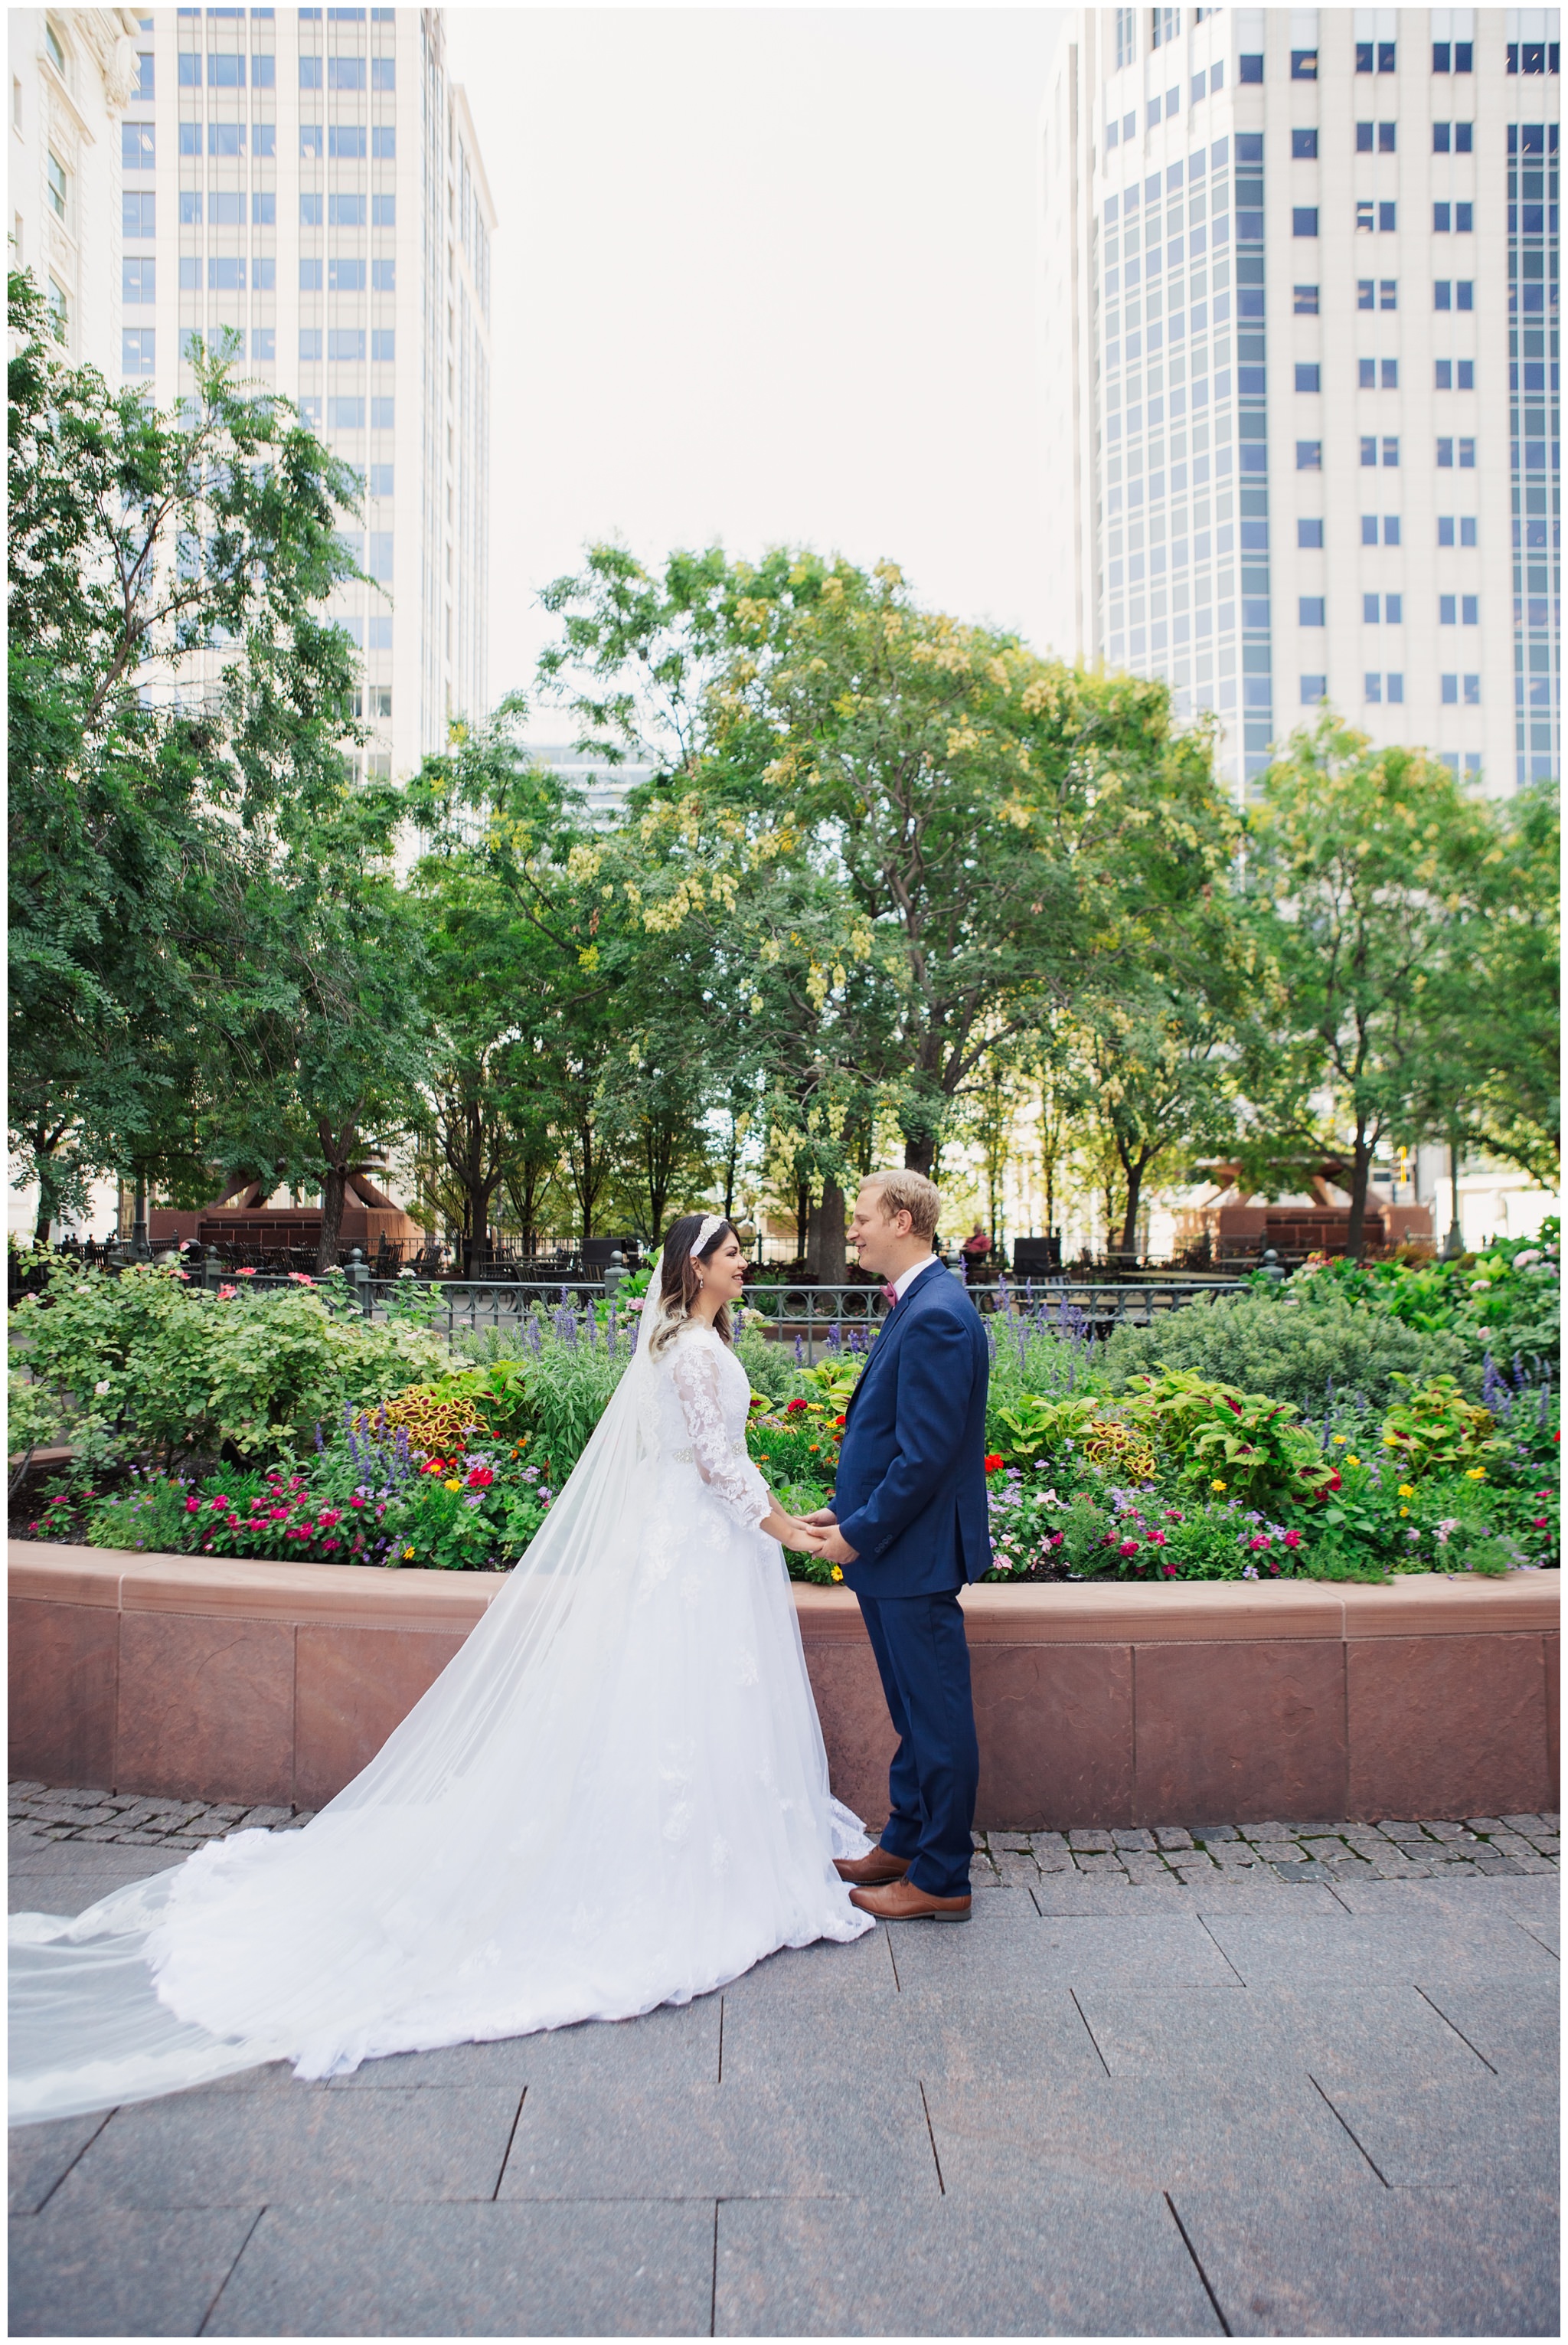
(893, 1322)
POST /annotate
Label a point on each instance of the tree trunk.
(1361, 1178)
(919, 1152)
(830, 1236)
(803, 1221)
(334, 1186)
(1134, 1174)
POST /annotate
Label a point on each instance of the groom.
(910, 1526)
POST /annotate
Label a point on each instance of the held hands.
(791, 1532)
(834, 1547)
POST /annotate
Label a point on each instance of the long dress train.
(615, 1796)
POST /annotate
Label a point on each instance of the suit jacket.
(911, 1485)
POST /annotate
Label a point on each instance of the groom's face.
(876, 1234)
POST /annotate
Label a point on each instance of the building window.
(1125, 37)
(345, 276)
(138, 281)
(226, 207)
(380, 634)
(1310, 611)
(384, 142)
(1314, 689)
(1306, 302)
(309, 72)
(343, 211)
(1533, 57)
(59, 187)
(263, 73)
(264, 210)
(383, 212)
(1372, 685)
(1378, 216)
(1449, 524)
(383, 73)
(383, 276)
(264, 274)
(1377, 138)
(1455, 374)
(310, 276)
(346, 415)
(310, 139)
(190, 137)
(1304, 146)
(1453, 138)
(1249, 68)
(383, 342)
(56, 54)
(190, 208)
(1458, 220)
(1461, 53)
(1304, 64)
(1375, 56)
(310, 345)
(1390, 450)
(1450, 692)
(1308, 377)
(1310, 532)
(190, 272)
(138, 145)
(189, 69)
(1458, 294)
(311, 211)
(1304, 219)
(346, 345)
(381, 480)
(225, 275)
(60, 310)
(137, 214)
(137, 350)
(346, 140)
(383, 416)
(1469, 610)
(381, 563)
(264, 343)
(345, 73)
(1473, 692)
(225, 137)
(225, 72)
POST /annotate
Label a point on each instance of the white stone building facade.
(1300, 301)
(72, 72)
(308, 179)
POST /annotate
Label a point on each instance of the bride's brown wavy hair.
(678, 1280)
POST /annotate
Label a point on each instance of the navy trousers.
(923, 1658)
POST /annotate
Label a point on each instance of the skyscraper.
(311, 179)
(1302, 417)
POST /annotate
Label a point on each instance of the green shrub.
(1290, 1348)
(770, 1367)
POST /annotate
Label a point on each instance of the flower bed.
(199, 1424)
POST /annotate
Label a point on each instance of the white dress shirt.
(906, 1279)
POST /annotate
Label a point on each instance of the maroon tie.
(890, 1295)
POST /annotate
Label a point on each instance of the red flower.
(992, 1464)
(791, 1407)
(481, 1478)
(1127, 1546)
(1292, 1539)
(840, 1420)
(327, 1516)
(1333, 1481)
(193, 1505)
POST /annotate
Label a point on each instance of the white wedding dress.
(615, 1796)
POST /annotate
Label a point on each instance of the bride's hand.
(792, 1533)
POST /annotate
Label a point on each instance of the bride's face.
(723, 1272)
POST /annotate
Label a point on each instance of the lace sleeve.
(725, 1468)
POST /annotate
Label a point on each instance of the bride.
(615, 1796)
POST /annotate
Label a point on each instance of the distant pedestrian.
(975, 1249)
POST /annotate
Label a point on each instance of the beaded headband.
(712, 1224)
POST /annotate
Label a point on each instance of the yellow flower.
(453, 1485)
(1217, 1486)
(1391, 1441)
(1404, 1510)
(1352, 1461)
(408, 1554)
(1407, 1489)
(836, 1573)
(1341, 1436)
(1476, 1474)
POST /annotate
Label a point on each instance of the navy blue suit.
(911, 1501)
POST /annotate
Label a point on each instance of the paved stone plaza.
(1293, 2080)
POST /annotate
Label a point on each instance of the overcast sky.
(762, 275)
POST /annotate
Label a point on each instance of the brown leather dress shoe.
(902, 1901)
(870, 1870)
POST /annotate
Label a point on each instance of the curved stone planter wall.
(274, 1683)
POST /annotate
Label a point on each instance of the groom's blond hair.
(911, 1194)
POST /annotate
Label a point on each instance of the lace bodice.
(704, 1394)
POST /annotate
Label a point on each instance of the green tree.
(143, 807)
(1357, 853)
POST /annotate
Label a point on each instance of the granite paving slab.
(1170, 1947)
(1424, 1947)
(41, 2156)
(923, 2033)
(791, 2137)
(670, 2046)
(605, 2269)
(1428, 2132)
(1274, 2028)
(1096, 2260)
(1141, 2133)
(1516, 2029)
(216, 2149)
(1289, 2260)
(116, 2272)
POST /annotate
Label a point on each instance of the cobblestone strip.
(1169, 1853)
(1175, 1855)
(123, 1819)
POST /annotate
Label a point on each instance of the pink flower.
(193, 1505)
(219, 1505)
(1157, 1539)
(277, 1514)
(357, 1500)
(1292, 1539)
(300, 1278)
(245, 1274)
(1127, 1546)
(329, 1516)
(328, 1545)
(1260, 1541)
(227, 1293)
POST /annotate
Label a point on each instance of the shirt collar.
(906, 1279)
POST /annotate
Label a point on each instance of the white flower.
(101, 1388)
(1481, 1286)
(1527, 1259)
